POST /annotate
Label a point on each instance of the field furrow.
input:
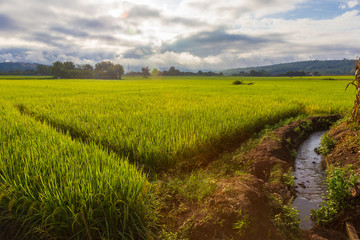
(54, 187)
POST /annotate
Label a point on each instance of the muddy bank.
(242, 208)
(281, 146)
(346, 151)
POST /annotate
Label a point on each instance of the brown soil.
(237, 198)
(347, 149)
(246, 197)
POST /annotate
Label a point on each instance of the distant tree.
(132, 73)
(29, 72)
(86, 67)
(69, 65)
(155, 72)
(172, 71)
(145, 72)
(254, 73)
(117, 71)
(261, 73)
(105, 69)
(43, 69)
(57, 69)
(103, 66)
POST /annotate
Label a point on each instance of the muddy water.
(309, 176)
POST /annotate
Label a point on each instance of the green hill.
(328, 67)
(16, 66)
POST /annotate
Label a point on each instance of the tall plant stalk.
(355, 115)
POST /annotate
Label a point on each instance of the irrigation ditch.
(258, 204)
(309, 177)
(292, 146)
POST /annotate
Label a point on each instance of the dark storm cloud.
(100, 23)
(68, 31)
(16, 52)
(139, 52)
(145, 12)
(212, 43)
(6, 23)
(82, 34)
(49, 39)
(50, 56)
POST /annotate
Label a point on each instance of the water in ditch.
(309, 176)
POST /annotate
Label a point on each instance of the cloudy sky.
(188, 34)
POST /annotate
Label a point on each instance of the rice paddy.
(73, 152)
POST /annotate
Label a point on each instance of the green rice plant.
(161, 122)
(52, 187)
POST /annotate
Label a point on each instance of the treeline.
(263, 73)
(102, 70)
(145, 72)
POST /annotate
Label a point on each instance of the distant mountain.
(328, 67)
(17, 66)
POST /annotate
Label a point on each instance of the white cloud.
(349, 4)
(196, 34)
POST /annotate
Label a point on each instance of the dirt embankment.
(242, 208)
(346, 151)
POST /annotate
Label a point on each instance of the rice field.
(72, 150)
(55, 188)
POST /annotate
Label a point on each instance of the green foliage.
(55, 188)
(237, 82)
(339, 183)
(288, 178)
(287, 220)
(108, 70)
(103, 70)
(165, 235)
(194, 186)
(242, 224)
(161, 122)
(327, 143)
(303, 129)
(276, 173)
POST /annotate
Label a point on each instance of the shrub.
(237, 82)
(287, 220)
(339, 183)
(327, 143)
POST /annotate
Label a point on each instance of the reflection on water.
(309, 176)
